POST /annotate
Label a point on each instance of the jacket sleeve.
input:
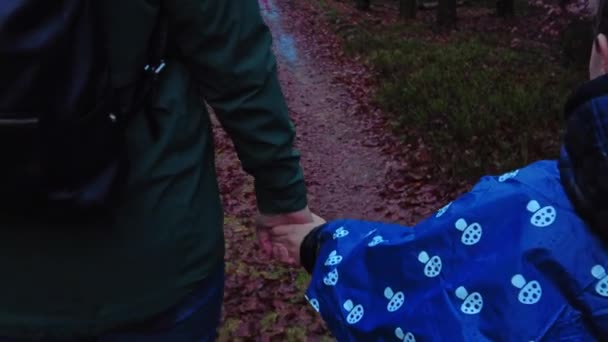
(228, 49)
(344, 266)
(512, 247)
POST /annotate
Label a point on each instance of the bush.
(479, 106)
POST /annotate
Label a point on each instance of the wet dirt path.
(350, 166)
(344, 176)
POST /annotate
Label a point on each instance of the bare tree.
(363, 4)
(407, 8)
(505, 8)
(446, 13)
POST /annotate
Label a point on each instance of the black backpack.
(62, 122)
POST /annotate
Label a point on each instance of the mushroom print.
(376, 241)
(432, 266)
(405, 337)
(471, 234)
(355, 312)
(331, 279)
(530, 292)
(333, 259)
(396, 300)
(340, 233)
(443, 210)
(508, 176)
(314, 303)
(599, 273)
(472, 303)
(542, 217)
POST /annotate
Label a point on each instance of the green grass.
(302, 280)
(480, 105)
(269, 320)
(229, 327)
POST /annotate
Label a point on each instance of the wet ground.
(353, 166)
(344, 174)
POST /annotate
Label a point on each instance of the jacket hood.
(583, 162)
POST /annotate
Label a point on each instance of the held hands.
(280, 235)
(288, 239)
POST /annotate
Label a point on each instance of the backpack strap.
(129, 28)
(135, 64)
(156, 65)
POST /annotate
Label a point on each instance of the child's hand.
(287, 239)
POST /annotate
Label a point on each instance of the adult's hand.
(265, 223)
(290, 238)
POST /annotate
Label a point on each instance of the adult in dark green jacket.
(157, 268)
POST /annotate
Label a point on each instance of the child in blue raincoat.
(521, 257)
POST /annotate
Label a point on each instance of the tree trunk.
(576, 39)
(363, 4)
(446, 14)
(505, 8)
(407, 8)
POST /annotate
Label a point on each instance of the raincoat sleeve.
(508, 261)
(344, 266)
(228, 49)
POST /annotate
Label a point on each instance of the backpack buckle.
(155, 69)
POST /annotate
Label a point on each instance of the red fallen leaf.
(244, 330)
